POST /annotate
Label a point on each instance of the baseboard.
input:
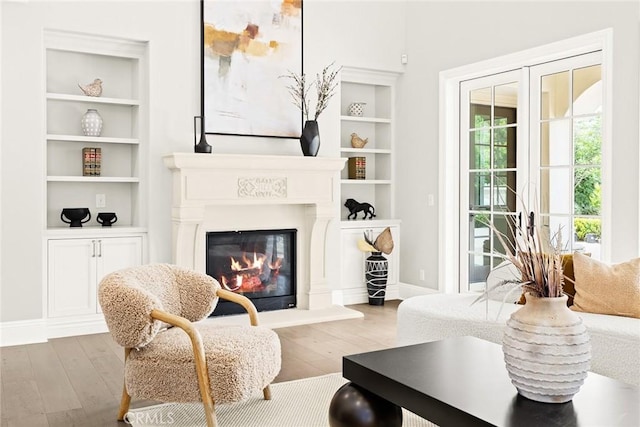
(23, 332)
(79, 325)
(360, 296)
(407, 290)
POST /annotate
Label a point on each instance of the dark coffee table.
(463, 382)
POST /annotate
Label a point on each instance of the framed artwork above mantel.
(246, 47)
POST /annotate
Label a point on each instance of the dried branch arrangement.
(325, 83)
(536, 254)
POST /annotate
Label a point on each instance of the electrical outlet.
(101, 200)
(431, 200)
(422, 275)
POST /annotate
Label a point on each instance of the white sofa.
(615, 340)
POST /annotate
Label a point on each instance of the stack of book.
(91, 160)
(357, 167)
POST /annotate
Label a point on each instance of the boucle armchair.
(193, 361)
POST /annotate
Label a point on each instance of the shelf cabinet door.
(76, 267)
(115, 254)
(71, 277)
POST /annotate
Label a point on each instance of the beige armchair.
(153, 312)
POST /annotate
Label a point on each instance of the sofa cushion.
(607, 289)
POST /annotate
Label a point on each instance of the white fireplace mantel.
(213, 192)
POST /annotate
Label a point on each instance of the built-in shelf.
(91, 99)
(366, 150)
(92, 179)
(102, 139)
(364, 119)
(365, 181)
(92, 231)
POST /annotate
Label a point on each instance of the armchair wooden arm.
(199, 357)
(243, 301)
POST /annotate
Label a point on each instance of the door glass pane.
(504, 224)
(587, 137)
(479, 190)
(505, 96)
(504, 188)
(587, 90)
(479, 149)
(588, 235)
(555, 191)
(587, 197)
(554, 223)
(504, 148)
(480, 108)
(555, 143)
(554, 99)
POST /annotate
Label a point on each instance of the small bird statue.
(92, 89)
(357, 142)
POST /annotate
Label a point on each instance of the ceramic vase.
(376, 272)
(547, 350)
(356, 109)
(310, 138)
(91, 123)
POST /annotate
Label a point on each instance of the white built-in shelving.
(376, 89)
(78, 257)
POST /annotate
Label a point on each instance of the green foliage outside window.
(587, 184)
(586, 225)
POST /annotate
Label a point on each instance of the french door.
(531, 136)
(493, 152)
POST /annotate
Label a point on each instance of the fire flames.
(247, 274)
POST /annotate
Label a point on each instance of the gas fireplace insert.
(259, 264)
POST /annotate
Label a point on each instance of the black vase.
(376, 272)
(202, 146)
(310, 138)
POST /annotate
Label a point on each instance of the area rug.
(299, 403)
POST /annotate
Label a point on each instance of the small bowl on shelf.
(107, 218)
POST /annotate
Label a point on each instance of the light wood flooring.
(77, 381)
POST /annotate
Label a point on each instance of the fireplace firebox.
(259, 264)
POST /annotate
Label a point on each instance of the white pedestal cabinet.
(78, 257)
(374, 90)
(353, 282)
(76, 267)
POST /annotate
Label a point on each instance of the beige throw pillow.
(607, 289)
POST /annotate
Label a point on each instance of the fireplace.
(219, 192)
(259, 264)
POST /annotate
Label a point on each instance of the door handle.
(93, 249)
(100, 248)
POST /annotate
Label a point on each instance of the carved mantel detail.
(262, 187)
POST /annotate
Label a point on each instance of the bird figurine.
(92, 89)
(357, 142)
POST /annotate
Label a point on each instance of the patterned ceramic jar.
(356, 109)
(91, 123)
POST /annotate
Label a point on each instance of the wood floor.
(77, 381)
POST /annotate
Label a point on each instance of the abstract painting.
(246, 47)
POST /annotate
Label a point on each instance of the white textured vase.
(547, 350)
(91, 123)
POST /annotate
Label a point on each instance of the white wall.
(365, 34)
(445, 35)
(436, 35)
